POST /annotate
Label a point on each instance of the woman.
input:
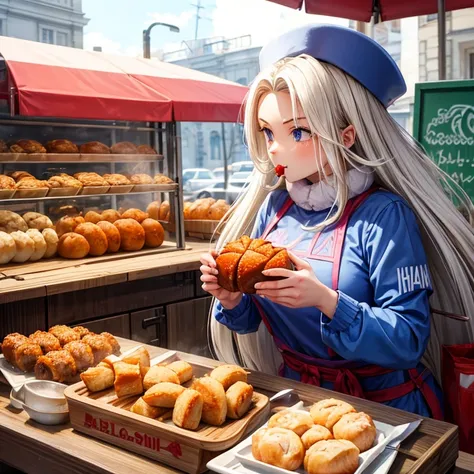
(365, 217)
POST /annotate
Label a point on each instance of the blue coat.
(383, 314)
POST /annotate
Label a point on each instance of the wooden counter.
(34, 448)
(51, 277)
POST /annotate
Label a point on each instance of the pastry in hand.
(296, 421)
(315, 434)
(183, 369)
(163, 394)
(128, 380)
(124, 148)
(141, 178)
(239, 399)
(328, 412)
(146, 150)
(81, 353)
(214, 408)
(228, 374)
(25, 246)
(72, 245)
(64, 334)
(39, 242)
(112, 234)
(116, 179)
(46, 340)
(94, 148)
(61, 146)
(136, 214)
(154, 233)
(188, 409)
(11, 221)
(27, 146)
(332, 457)
(357, 428)
(6, 182)
(110, 215)
(279, 447)
(157, 374)
(162, 179)
(7, 247)
(95, 236)
(63, 180)
(35, 220)
(58, 366)
(98, 378)
(132, 234)
(52, 240)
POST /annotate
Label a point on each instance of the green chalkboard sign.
(444, 125)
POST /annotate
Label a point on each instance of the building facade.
(58, 22)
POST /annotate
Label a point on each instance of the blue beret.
(353, 52)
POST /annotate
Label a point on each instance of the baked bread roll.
(214, 408)
(153, 210)
(3, 147)
(112, 234)
(93, 217)
(141, 356)
(256, 438)
(315, 434)
(228, 374)
(35, 220)
(112, 341)
(218, 210)
(25, 246)
(357, 428)
(188, 409)
(186, 210)
(63, 180)
(21, 352)
(11, 221)
(141, 178)
(46, 340)
(7, 247)
(328, 412)
(111, 215)
(98, 378)
(64, 334)
(146, 150)
(183, 369)
(135, 214)
(279, 447)
(10, 342)
(95, 237)
(91, 179)
(124, 148)
(101, 347)
(81, 330)
(164, 214)
(6, 182)
(158, 374)
(40, 244)
(68, 224)
(154, 233)
(27, 146)
(51, 239)
(94, 148)
(332, 457)
(296, 421)
(72, 245)
(58, 366)
(115, 179)
(81, 353)
(132, 234)
(61, 146)
(200, 208)
(31, 183)
(160, 178)
(128, 379)
(140, 407)
(163, 394)
(239, 398)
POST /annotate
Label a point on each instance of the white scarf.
(322, 195)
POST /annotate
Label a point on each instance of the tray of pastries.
(60, 354)
(144, 182)
(328, 437)
(184, 406)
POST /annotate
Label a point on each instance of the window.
(61, 38)
(219, 186)
(187, 175)
(47, 36)
(204, 175)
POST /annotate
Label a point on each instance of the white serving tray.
(377, 460)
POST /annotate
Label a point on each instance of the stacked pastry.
(59, 354)
(211, 399)
(202, 209)
(328, 439)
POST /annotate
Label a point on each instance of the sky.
(117, 25)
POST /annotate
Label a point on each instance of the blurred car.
(218, 191)
(246, 166)
(197, 178)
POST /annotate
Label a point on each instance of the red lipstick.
(280, 170)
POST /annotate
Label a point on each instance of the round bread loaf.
(164, 214)
(214, 409)
(110, 215)
(95, 148)
(93, 216)
(186, 210)
(72, 245)
(132, 234)
(95, 236)
(35, 220)
(68, 224)
(200, 208)
(51, 239)
(153, 210)
(332, 457)
(40, 244)
(25, 246)
(112, 234)
(296, 421)
(154, 233)
(217, 210)
(124, 148)
(135, 214)
(7, 247)
(314, 434)
(11, 221)
(328, 412)
(358, 428)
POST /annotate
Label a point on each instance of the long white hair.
(332, 100)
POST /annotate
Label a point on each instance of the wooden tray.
(115, 157)
(31, 193)
(102, 415)
(94, 190)
(139, 188)
(7, 193)
(120, 189)
(66, 191)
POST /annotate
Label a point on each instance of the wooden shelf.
(75, 158)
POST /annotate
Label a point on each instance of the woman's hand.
(299, 288)
(228, 299)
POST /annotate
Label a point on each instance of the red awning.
(55, 81)
(362, 10)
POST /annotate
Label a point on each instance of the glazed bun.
(93, 217)
(35, 220)
(315, 434)
(296, 421)
(25, 246)
(132, 234)
(239, 398)
(332, 457)
(112, 234)
(135, 214)
(357, 428)
(228, 374)
(94, 236)
(279, 447)
(154, 233)
(110, 215)
(68, 224)
(72, 245)
(214, 407)
(328, 412)
(7, 247)
(40, 244)
(51, 239)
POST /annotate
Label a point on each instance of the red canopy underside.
(362, 10)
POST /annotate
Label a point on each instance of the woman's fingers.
(284, 293)
(206, 278)
(206, 269)
(208, 259)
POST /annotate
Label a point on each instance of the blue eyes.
(299, 134)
